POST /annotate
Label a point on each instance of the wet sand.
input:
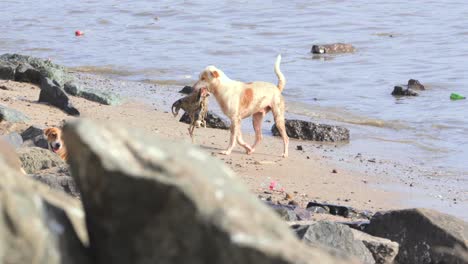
(306, 175)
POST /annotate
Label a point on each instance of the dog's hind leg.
(278, 114)
(257, 120)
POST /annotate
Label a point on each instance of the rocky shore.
(133, 194)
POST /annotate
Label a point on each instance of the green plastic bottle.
(455, 96)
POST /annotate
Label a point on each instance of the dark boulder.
(312, 131)
(185, 206)
(425, 236)
(11, 115)
(7, 70)
(46, 68)
(213, 120)
(26, 73)
(35, 159)
(61, 183)
(52, 93)
(38, 225)
(34, 136)
(336, 237)
(92, 95)
(186, 90)
(400, 91)
(383, 250)
(333, 48)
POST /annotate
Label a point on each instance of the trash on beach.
(272, 185)
(79, 33)
(455, 96)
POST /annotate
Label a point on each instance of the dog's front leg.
(235, 126)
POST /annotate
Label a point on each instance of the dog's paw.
(285, 155)
(250, 151)
(225, 152)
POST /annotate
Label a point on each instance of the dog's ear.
(47, 131)
(215, 74)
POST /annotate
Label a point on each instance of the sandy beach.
(318, 172)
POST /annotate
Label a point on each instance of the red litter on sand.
(272, 185)
(79, 33)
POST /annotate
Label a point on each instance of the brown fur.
(239, 100)
(55, 142)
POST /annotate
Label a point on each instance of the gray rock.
(186, 90)
(34, 136)
(340, 210)
(317, 210)
(300, 129)
(400, 91)
(333, 48)
(14, 139)
(185, 206)
(26, 73)
(7, 70)
(46, 68)
(52, 93)
(383, 250)
(35, 159)
(35, 226)
(425, 236)
(92, 95)
(11, 115)
(286, 212)
(336, 237)
(213, 120)
(61, 183)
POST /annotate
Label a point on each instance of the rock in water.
(415, 85)
(52, 93)
(34, 227)
(425, 236)
(11, 115)
(150, 201)
(312, 131)
(336, 237)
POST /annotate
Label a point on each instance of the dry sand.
(306, 175)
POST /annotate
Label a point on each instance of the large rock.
(61, 183)
(425, 236)
(383, 250)
(37, 225)
(312, 131)
(213, 120)
(46, 68)
(336, 237)
(34, 136)
(7, 70)
(13, 139)
(92, 95)
(52, 93)
(27, 73)
(12, 115)
(35, 159)
(185, 206)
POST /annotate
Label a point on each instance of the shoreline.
(305, 175)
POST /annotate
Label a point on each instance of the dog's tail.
(279, 74)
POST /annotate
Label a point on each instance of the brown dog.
(239, 100)
(55, 142)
